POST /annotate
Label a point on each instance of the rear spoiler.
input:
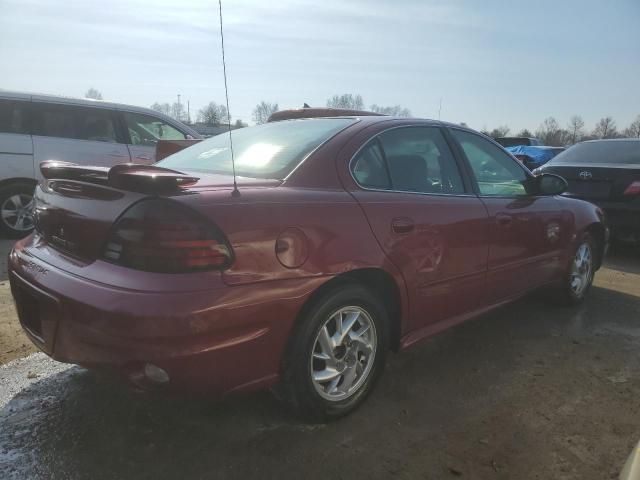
(125, 176)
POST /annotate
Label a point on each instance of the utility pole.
(440, 108)
(188, 111)
(179, 108)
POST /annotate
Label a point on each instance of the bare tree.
(178, 111)
(162, 108)
(550, 133)
(575, 129)
(501, 131)
(214, 114)
(605, 128)
(263, 111)
(524, 133)
(347, 100)
(93, 94)
(633, 130)
(395, 111)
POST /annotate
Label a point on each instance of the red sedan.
(346, 237)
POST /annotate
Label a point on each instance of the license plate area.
(599, 190)
(38, 312)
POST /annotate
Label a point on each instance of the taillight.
(633, 189)
(166, 237)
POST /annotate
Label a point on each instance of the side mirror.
(551, 184)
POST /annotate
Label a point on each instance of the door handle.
(143, 157)
(504, 219)
(117, 155)
(402, 225)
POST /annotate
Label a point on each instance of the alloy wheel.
(581, 269)
(17, 212)
(343, 353)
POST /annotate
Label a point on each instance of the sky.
(489, 62)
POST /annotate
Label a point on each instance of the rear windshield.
(271, 150)
(616, 151)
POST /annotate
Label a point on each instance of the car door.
(430, 226)
(526, 228)
(144, 132)
(77, 134)
(16, 146)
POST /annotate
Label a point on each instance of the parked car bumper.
(622, 218)
(218, 340)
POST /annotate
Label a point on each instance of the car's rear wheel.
(581, 271)
(336, 355)
(16, 212)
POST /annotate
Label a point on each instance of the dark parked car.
(516, 141)
(346, 237)
(607, 173)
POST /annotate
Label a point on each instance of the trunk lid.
(76, 206)
(597, 181)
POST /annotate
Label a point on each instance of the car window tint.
(67, 121)
(419, 160)
(369, 168)
(495, 171)
(96, 125)
(146, 130)
(13, 117)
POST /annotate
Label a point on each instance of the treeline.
(550, 132)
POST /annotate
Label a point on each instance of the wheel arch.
(380, 282)
(18, 180)
(599, 233)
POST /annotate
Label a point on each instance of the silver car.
(34, 128)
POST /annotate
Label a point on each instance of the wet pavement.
(529, 391)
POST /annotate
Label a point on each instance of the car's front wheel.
(581, 271)
(337, 353)
(16, 212)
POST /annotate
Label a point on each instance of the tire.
(580, 272)
(16, 220)
(311, 384)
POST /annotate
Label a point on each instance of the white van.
(34, 128)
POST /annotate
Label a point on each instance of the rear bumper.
(213, 340)
(622, 217)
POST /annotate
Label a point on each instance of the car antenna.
(235, 191)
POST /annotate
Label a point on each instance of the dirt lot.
(531, 391)
(13, 343)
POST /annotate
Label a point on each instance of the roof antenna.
(235, 191)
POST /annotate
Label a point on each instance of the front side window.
(146, 130)
(270, 150)
(13, 117)
(412, 159)
(66, 121)
(495, 171)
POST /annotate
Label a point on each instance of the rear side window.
(147, 130)
(13, 117)
(65, 121)
(370, 169)
(412, 159)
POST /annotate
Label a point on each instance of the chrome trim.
(423, 125)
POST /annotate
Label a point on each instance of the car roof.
(602, 140)
(89, 102)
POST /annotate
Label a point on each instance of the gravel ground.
(531, 391)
